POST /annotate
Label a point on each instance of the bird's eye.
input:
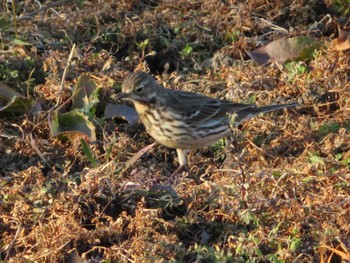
(139, 89)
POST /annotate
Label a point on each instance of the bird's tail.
(249, 113)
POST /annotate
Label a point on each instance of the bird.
(185, 120)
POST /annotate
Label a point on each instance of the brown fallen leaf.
(342, 42)
(121, 110)
(285, 48)
(344, 255)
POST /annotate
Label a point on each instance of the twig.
(64, 75)
(44, 8)
(314, 25)
(61, 89)
(12, 243)
(14, 18)
(36, 149)
(274, 26)
(138, 155)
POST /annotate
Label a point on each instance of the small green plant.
(330, 127)
(232, 37)
(5, 24)
(260, 139)
(88, 153)
(341, 6)
(142, 45)
(218, 149)
(274, 258)
(78, 122)
(346, 161)
(85, 96)
(295, 69)
(247, 217)
(338, 156)
(251, 99)
(16, 71)
(294, 241)
(212, 254)
(342, 185)
(187, 50)
(316, 160)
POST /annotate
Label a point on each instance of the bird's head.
(140, 87)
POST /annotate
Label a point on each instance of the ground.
(277, 190)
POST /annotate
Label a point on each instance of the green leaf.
(260, 139)
(346, 161)
(305, 46)
(19, 42)
(233, 36)
(338, 156)
(315, 159)
(294, 69)
(143, 44)
(246, 216)
(252, 99)
(5, 23)
(88, 153)
(7, 92)
(13, 102)
(295, 243)
(330, 127)
(72, 125)
(85, 94)
(187, 50)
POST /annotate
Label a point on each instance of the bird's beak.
(122, 96)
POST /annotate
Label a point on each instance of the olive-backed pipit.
(185, 120)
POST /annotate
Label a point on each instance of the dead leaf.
(342, 254)
(121, 110)
(285, 48)
(342, 42)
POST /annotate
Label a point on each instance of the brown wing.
(198, 108)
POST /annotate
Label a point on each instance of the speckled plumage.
(185, 120)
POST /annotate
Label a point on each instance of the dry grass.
(280, 192)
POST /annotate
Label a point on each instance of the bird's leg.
(182, 156)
